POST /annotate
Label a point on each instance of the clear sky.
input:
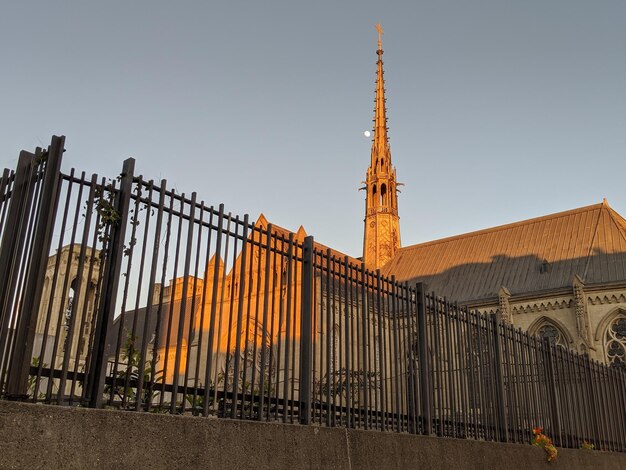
(498, 110)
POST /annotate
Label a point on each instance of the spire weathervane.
(379, 28)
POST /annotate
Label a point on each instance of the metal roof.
(533, 255)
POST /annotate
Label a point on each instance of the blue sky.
(498, 110)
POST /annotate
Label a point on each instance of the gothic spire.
(380, 143)
(381, 238)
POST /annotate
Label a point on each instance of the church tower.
(381, 238)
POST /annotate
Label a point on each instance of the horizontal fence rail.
(123, 293)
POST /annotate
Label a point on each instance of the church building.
(560, 276)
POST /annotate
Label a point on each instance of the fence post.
(424, 365)
(13, 240)
(555, 432)
(306, 331)
(19, 368)
(111, 277)
(503, 426)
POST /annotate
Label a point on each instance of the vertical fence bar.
(396, 357)
(242, 288)
(499, 384)
(451, 408)
(212, 313)
(379, 403)
(327, 332)
(104, 317)
(288, 337)
(461, 368)
(136, 350)
(472, 374)
(306, 331)
(182, 313)
(295, 303)
(282, 275)
(348, 340)
(17, 384)
(437, 364)
(80, 282)
(424, 368)
(555, 415)
(266, 299)
(486, 377)
(364, 342)
(410, 341)
(151, 283)
(68, 322)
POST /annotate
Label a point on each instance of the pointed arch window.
(69, 309)
(383, 194)
(552, 334)
(615, 343)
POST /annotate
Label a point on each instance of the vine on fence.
(104, 206)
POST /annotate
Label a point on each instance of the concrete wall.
(39, 436)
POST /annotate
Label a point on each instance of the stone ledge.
(41, 436)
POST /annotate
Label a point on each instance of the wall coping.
(45, 436)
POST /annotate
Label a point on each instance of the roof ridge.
(593, 240)
(618, 220)
(336, 253)
(282, 231)
(497, 228)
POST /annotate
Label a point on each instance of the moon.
(367, 133)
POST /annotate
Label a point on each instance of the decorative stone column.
(504, 307)
(582, 315)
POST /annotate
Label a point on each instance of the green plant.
(338, 383)
(196, 403)
(587, 446)
(543, 441)
(104, 205)
(129, 375)
(32, 379)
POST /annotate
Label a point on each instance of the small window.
(615, 343)
(552, 334)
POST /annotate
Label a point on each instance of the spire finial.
(379, 28)
(380, 144)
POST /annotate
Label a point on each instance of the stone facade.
(582, 320)
(68, 303)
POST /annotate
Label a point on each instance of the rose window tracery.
(615, 343)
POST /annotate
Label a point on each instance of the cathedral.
(560, 276)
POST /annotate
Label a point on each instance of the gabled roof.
(538, 254)
(300, 234)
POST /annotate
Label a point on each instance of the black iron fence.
(123, 293)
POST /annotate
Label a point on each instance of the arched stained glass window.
(615, 343)
(552, 334)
